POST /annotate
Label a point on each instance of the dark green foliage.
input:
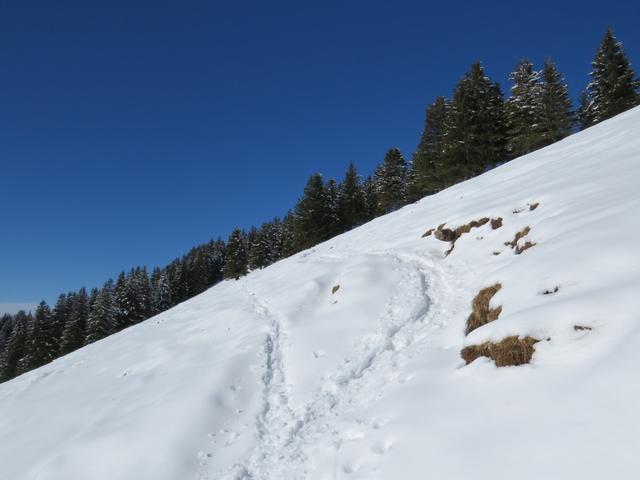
(74, 333)
(236, 262)
(427, 163)
(390, 182)
(6, 327)
(40, 347)
(15, 346)
(554, 117)
(351, 203)
(314, 221)
(370, 199)
(522, 110)
(161, 291)
(614, 86)
(584, 114)
(266, 247)
(289, 246)
(334, 222)
(475, 128)
(102, 319)
(132, 297)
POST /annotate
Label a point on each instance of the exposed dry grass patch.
(510, 351)
(496, 223)
(551, 291)
(335, 289)
(481, 311)
(518, 236)
(428, 233)
(533, 206)
(526, 246)
(451, 235)
(580, 328)
(521, 234)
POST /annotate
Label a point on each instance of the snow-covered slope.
(276, 377)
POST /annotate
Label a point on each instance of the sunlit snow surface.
(274, 377)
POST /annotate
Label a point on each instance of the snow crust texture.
(280, 375)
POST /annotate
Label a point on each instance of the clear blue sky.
(131, 131)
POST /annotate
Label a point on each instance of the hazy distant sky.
(131, 131)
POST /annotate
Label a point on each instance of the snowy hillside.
(276, 377)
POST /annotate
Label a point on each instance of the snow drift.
(282, 376)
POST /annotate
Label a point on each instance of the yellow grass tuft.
(510, 351)
(481, 311)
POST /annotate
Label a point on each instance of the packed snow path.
(288, 444)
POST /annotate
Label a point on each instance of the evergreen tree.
(6, 327)
(15, 347)
(370, 199)
(102, 320)
(132, 294)
(250, 242)
(427, 163)
(390, 178)
(40, 348)
(585, 112)
(73, 335)
(475, 128)
(121, 306)
(614, 86)
(59, 318)
(312, 215)
(258, 249)
(289, 246)
(334, 220)
(351, 200)
(554, 115)
(522, 110)
(267, 246)
(236, 261)
(162, 295)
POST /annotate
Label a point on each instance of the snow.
(276, 377)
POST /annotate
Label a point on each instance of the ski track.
(285, 436)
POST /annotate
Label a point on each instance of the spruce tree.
(334, 221)
(522, 110)
(554, 116)
(73, 336)
(258, 249)
(161, 295)
(15, 347)
(132, 294)
(59, 318)
(313, 220)
(370, 199)
(584, 114)
(6, 327)
(40, 347)
(289, 246)
(614, 87)
(236, 261)
(102, 320)
(390, 182)
(427, 163)
(475, 128)
(351, 200)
